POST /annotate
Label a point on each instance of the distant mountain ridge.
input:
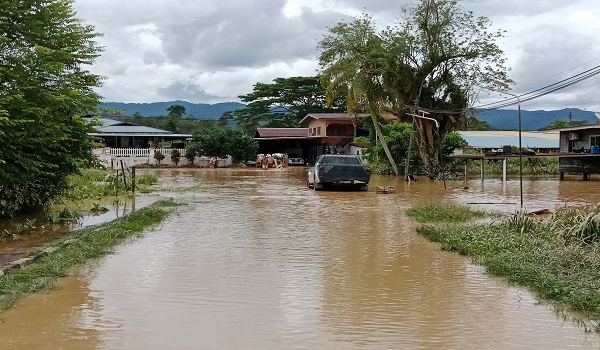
(499, 119)
(155, 109)
(502, 119)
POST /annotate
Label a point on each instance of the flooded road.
(258, 261)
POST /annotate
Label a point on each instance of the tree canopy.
(563, 123)
(433, 63)
(397, 137)
(223, 142)
(45, 87)
(284, 103)
(176, 111)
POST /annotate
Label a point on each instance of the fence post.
(124, 178)
(133, 179)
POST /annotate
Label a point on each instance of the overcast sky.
(209, 51)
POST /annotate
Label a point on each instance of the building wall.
(317, 128)
(583, 140)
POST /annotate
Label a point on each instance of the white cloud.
(215, 50)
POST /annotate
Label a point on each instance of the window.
(340, 160)
(319, 130)
(337, 130)
(595, 141)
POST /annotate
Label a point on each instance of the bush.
(175, 156)
(158, 156)
(190, 155)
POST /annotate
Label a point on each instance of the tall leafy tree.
(223, 142)
(176, 111)
(44, 88)
(284, 103)
(435, 61)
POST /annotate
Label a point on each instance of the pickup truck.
(339, 170)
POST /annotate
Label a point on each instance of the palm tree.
(350, 60)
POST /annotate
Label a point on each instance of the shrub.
(175, 156)
(190, 155)
(158, 156)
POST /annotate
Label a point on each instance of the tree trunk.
(384, 144)
(429, 148)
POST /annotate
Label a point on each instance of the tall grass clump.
(95, 184)
(76, 249)
(557, 258)
(450, 213)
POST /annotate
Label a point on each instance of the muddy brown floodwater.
(258, 261)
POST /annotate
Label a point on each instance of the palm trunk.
(384, 144)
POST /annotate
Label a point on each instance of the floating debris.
(385, 189)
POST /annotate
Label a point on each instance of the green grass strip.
(77, 248)
(446, 213)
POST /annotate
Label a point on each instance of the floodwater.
(258, 261)
(18, 238)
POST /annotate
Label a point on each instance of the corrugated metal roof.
(111, 126)
(581, 127)
(132, 129)
(497, 139)
(281, 132)
(339, 116)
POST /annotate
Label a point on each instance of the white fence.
(135, 156)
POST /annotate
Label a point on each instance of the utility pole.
(570, 119)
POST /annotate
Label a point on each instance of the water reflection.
(53, 321)
(258, 261)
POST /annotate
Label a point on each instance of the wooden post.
(117, 183)
(132, 179)
(466, 161)
(504, 171)
(410, 142)
(124, 178)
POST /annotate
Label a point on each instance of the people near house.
(278, 160)
(259, 159)
(271, 162)
(212, 163)
(265, 162)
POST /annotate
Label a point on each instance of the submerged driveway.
(258, 261)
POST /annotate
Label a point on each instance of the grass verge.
(449, 213)
(77, 248)
(557, 258)
(93, 187)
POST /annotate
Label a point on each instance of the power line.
(563, 72)
(542, 91)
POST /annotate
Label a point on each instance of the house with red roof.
(324, 133)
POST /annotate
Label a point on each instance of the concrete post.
(482, 171)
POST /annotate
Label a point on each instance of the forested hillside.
(532, 120)
(197, 110)
(498, 119)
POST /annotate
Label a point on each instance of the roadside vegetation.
(96, 187)
(77, 248)
(88, 192)
(531, 166)
(46, 87)
(449, 213)
(557, 257)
